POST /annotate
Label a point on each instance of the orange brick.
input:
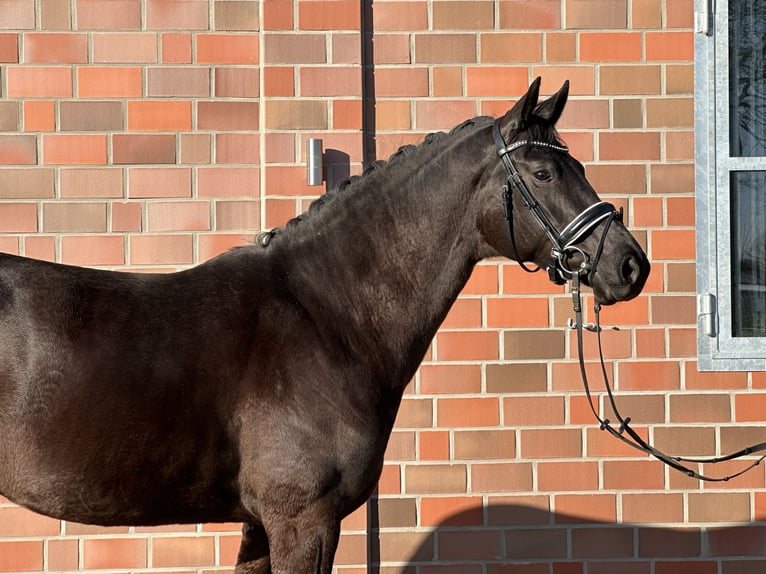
(629, 145)
(467, 346)
(183, 551)
(406, 15)
(161, 250)
(633, 475)
(63, 555)
(505, 81)
(115, 553)
(238, 215)
(237, 148)
(651, 507)
(277, 15)
(100, 82)
(433, 445)
(585, 508)
(610, 47)
(39, 116)
(521, 312)
(648, 375)
(211, 245)
(74, 149)
(451, 511)
(21, 556)
(673, 244)
(347, 115)
(159, 115)
(176, 48)
(227, 49)
(92, 250)
(18, 522)
(468, 412)
(669, 46)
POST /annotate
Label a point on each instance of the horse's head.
(546, 212)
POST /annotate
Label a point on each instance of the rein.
(565, 243)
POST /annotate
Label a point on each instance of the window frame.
(717, 349)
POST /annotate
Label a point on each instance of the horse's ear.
(550, 110)
(516, 118)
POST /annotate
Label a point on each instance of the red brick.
(501, 477)
(55, 48)
(177, 14)
(484, 444)
(585, 508)
(143, 149)
(126, 217)
(464, 314)
(26, 183)
(596, 13)
(237, 148)
(20, 522)
(401, 82)
(108, 14)
(178, 216)
(228, 115)
(63, 555)
(39, 82)
(159, 182)
(442, 114)
(629, 145)
(565, 476)
(18, 149)
(228, 182)
(530, 14)
(450, 379)
(673, 244)
(115, 48)
(451, 511)
(445, 48)
(238, 82)
(610, 46)
(329, 15)
(550, 443)
(330, 81)
(9, 48)
(240, 16)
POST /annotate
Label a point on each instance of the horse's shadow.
(519, 539)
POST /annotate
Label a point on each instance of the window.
(730, 97)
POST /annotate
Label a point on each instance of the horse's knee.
(253, 557)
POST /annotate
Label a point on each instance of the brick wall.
(154, 134)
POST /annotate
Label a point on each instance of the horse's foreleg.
(253, 555)
(306, 543)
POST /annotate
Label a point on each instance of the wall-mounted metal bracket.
(314, 161)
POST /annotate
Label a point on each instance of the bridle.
(565, 244)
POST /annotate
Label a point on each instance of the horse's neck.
(380, 267)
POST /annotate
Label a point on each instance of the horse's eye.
(542, 175)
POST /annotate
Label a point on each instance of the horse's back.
(117, 390)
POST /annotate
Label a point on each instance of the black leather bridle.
(565, 244)
(565, 241)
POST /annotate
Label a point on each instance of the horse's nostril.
(631, 270)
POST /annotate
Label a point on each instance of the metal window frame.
(717, 350)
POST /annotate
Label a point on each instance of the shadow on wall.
(517, 539)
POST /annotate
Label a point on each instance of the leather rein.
(565, 244)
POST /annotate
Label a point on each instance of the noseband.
(564, 242)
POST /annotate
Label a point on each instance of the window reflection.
(747, 85)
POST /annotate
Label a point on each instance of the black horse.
(262, 386)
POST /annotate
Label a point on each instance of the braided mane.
(353, 182)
